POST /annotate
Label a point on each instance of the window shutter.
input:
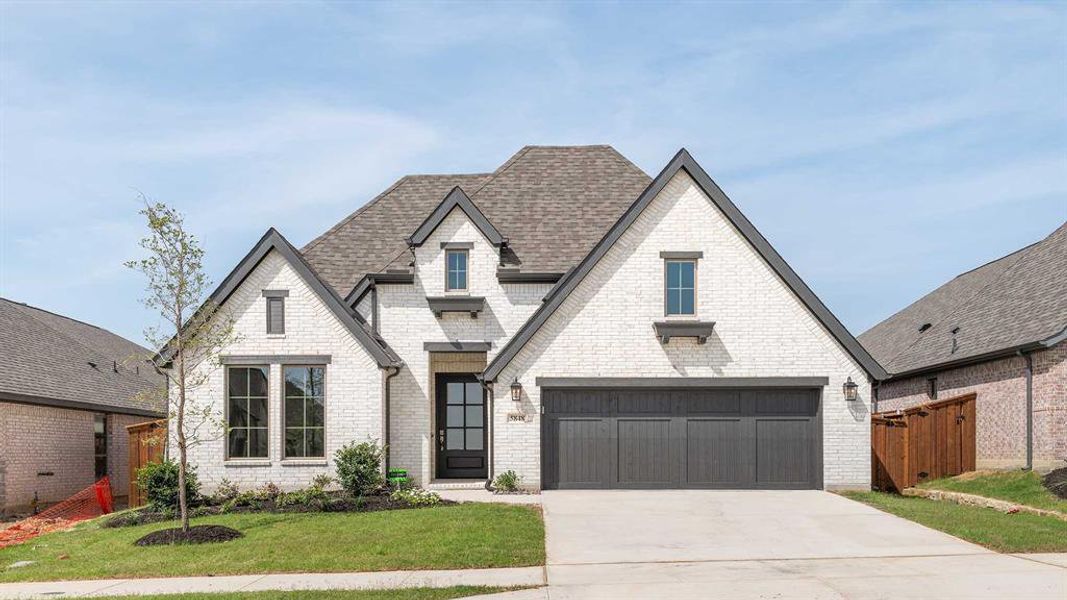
(275, 315)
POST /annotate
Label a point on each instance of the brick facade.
(1001, 405)
(35, 440)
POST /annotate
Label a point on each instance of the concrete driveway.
(764, 544)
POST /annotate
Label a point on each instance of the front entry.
(461, 427)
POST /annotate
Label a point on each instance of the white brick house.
(565, 317)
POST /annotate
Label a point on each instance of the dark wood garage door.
(713, 438)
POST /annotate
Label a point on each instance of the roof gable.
(273, 240)
(456, 198)
(683, 161)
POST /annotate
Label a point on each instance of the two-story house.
(565, 316)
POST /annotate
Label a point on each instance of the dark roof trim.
(456, 198)
(273, 240)
(682, 382)
(517, 276)
(984, 357)
(276, 359)
(76, 405)
(372, 279)
(456, 346)
(683, 161)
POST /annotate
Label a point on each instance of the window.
(681, 287)
(304, 412)
(246, 412)
(100, 445)
(455, 270)
(275, 311)
(932, 390)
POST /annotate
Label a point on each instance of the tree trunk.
(183, 459)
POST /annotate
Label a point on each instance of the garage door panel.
(581, 458)
(783, 451)
(644, 452)
(699, 438)
(713, 452)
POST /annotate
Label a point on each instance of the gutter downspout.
(390, 372)
(1029, 411)
(489, 451)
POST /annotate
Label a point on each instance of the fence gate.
(923, 443)
(147, 445)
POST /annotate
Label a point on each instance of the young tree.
(191, 335)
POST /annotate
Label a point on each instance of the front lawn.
(462, 591)
(463, 536)
(1020, 532)
(1020, 487)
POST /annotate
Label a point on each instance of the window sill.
(275, 336)
(247, 463)
(302, 462)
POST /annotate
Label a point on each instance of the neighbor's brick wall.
(605, 329)
(354, 409)
(1000, 407)
(406, 322)
(39, 439)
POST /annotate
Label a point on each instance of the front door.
(461, 427)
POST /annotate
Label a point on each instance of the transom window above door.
(456, 270)
(680, 295)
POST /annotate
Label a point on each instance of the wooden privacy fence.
(148, 444)
(922, 443)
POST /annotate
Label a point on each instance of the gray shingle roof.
(553, 203)
(1016, 300)
(45, 358)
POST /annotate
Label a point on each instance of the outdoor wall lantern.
(850, 389)
(516, 391)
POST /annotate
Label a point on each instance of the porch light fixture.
(850, 389)
(516, 391)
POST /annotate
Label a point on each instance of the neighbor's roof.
(54, 360)
(553, 203)
(1017, 302)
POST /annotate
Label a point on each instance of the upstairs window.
(275, 311)
(246, 412)
(456, 270)
(681, 287)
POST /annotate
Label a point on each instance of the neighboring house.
(1001, 331)
(566, 317)
(67, 391)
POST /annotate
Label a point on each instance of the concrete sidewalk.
(254, 583)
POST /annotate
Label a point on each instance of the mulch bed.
(1056, 482)
(199, 534)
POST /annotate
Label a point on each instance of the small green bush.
(508, 481)
(227, 490)
(322, 481)
(269, 491)
(159, 482)
(414, 496)
(313, 496)
(359, 468)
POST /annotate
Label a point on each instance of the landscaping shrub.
(359, 468)
(322, 481)
(1056, 482)
(269, 491)
(159, 482)
(312, 497)
(508, 481)
(226, 490)
(415, 496)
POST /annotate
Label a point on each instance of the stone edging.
(973, 500)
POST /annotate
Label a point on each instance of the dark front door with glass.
(461, 430)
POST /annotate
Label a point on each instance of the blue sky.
(882, 148)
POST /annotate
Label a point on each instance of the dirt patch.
(200, 534)
(1056, 482)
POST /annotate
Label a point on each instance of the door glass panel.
(455, 416)
(454, 439)
(474, 439)
(454, 393)
(474, 393)
(474, 416)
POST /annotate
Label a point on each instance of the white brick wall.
(605, 329)
(406, 322)
(353, 380)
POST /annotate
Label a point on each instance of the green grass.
(1020, 487)
(1020, 532)
(401, 594)
(463, 536)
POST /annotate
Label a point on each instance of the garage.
(698, 437)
